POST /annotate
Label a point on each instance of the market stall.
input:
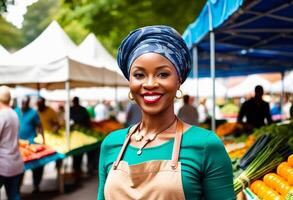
(231, 38)
(51, 62)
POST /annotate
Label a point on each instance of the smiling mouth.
(151, 99)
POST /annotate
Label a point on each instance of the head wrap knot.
(163, 40)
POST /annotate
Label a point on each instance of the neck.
(155, 123)
(2, 106)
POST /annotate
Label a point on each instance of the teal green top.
(206, 167)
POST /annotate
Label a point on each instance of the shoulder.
(50, 110)
(17, 110)
(192, 108)
(114, 138)
(33, 111)
(198, 136)
(197, 132)
(207, 138)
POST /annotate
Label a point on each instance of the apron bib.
(156, 179)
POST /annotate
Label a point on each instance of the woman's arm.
(218, 175)
(102, 173)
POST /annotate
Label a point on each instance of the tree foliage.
(109, 20)
(39, 15)
(10, 36)
(112, 20)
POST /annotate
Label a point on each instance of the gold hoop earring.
(180, 95)
(130, 97)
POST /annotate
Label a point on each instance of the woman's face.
(153, 83)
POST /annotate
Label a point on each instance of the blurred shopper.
(187, 112)
(256, 111)
(101, 111)
(203, 113)
(10, 160)
(49, 118)
(30, 125)
(291, 112)
(61, 115)
(91, 110)
(80, 116)
(133, 114)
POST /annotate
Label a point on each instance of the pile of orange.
(228, 128)
(276, 185)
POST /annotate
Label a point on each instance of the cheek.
(134, 85)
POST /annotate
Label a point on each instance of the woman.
(161, 157)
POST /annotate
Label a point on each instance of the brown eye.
(138, 75)
(163, 75)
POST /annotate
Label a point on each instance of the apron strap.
(116, 163)
(177, 143)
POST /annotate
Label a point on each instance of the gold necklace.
(151, 136)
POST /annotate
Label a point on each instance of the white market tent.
(50, 60)
(248, 85)
(92, 47)
(204, 86)
(288, 84)
(3, 51)
(88, 94)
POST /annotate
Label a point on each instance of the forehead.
(152, 61)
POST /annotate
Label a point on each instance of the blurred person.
(61, 115)
(80, 116)
(49, 120)
(91, 110)
(30, 125)
(10, 159)
(133, 114)
(187, 112)
(291, 112)
(48, 117)
(288, 102)
(101, 111)
(203, 113)
(256, 111)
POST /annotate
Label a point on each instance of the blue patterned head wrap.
(163, 40)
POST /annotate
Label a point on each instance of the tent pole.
(195, 72)
(67, 114)
(116, 109)
(212, 63)
(282, 93)
(212, 52)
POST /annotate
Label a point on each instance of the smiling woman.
(161, 157)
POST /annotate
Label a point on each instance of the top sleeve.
(1, 126)
(37, 118)
(268, 114)
(218, 175)
(102, 172)
(241, 113)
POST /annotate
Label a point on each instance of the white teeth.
(152, 98)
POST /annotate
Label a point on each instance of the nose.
(150, 83)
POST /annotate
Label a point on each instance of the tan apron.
(152, 180)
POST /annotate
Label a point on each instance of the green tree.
(112, 20)
(39, 15)
(10, 36)
(4, 4)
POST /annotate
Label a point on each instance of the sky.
(15, 12)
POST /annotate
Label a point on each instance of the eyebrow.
(158, 68)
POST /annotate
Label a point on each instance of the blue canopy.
(251, 36)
